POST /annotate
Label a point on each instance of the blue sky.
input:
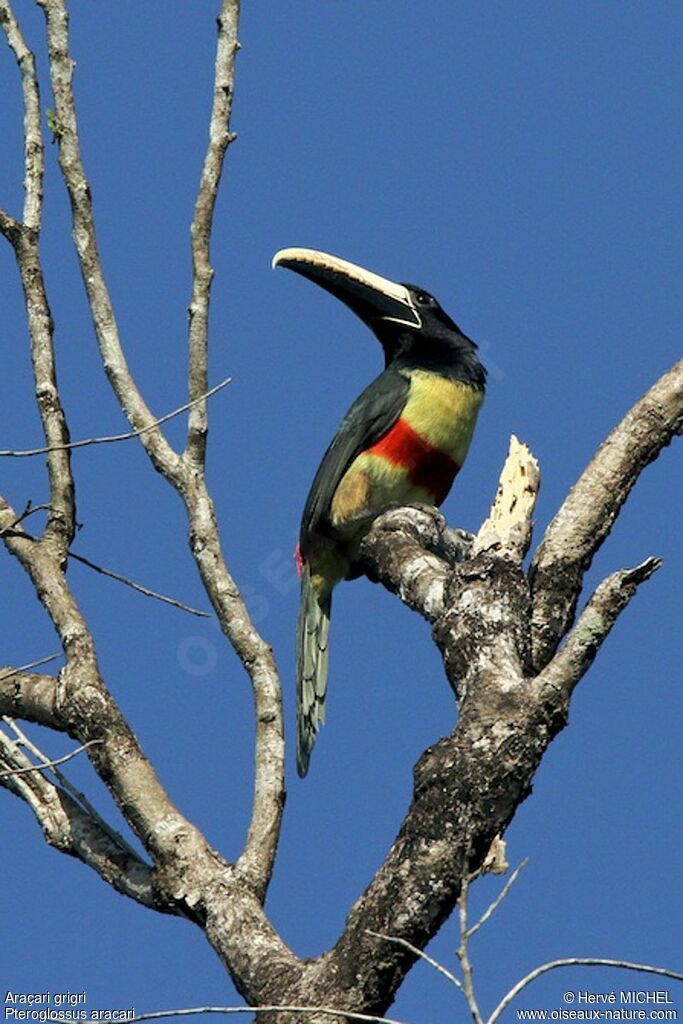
(522, 161)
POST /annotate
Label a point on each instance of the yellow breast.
(444, 412)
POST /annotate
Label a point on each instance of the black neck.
(453, 356)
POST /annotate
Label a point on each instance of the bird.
(402, 441)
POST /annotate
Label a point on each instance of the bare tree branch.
(189, 874)
(220, 138)
(586, 517)
(68, 828)
(34, 161)
(110, 438)
(50, 764)
(421, 955)
(61, 522)
(576, 961)
(11, 530)
(603, 609)
(137, 586)
(192, 1011)
(32, 664)
(410, 551)
(29, 510)
(255, 864)
(29, 696)
(78, 703)
(185, 474)
(463, 955)
(136, 410)
(80, 798)
(493, 906)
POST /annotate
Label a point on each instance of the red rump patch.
(298, 560)
(425, 465)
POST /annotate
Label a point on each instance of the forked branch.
(586, 517)
(184, 473)
(70, 829)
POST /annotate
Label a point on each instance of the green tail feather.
(311, 667)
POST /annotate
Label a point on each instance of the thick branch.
(467, 786)
(587, 515)
(29, 696)
(400, 552)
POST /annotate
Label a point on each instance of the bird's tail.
(311, 665)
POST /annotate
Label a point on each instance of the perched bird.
(403, 440)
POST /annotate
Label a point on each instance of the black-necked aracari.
(403, 440)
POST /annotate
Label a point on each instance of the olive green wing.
(370, 417)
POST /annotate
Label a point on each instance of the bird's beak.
(371, 297)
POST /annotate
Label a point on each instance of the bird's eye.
(423, 299)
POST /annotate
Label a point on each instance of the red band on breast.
(425, 466)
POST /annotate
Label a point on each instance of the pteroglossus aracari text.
(403, 440)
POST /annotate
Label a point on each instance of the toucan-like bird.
(403, 440)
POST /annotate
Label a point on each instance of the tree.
(498, 628)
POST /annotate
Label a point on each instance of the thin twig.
(576, 961)
(193, 1010)
(462, 952)
(30, 665)
(137, 586)
(51, 764)
(28, 511)
(491, 909)
(419, 953)
(109, 439)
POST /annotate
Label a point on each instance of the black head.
(409, 323)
